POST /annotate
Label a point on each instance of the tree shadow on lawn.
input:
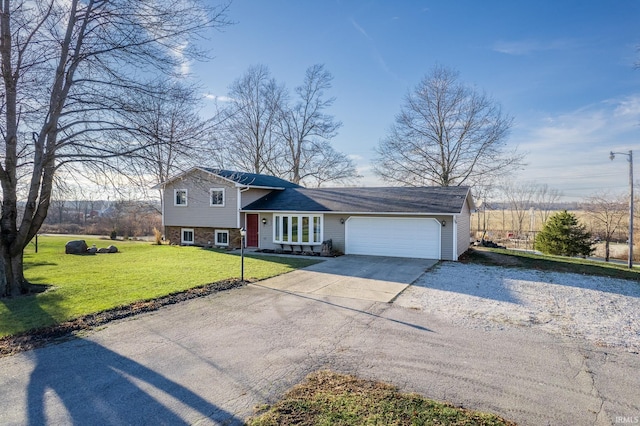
(28, 265)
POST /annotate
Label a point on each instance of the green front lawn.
(81, 285)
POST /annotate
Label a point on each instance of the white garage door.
(397, 237)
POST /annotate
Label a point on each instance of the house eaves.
(366, 200)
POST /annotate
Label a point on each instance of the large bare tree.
(307, 130)
(176, 137)
(251, 140)
(70, 72)
(266, 131)
(447, 134)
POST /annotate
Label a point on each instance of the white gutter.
(455, 237)
(240, 191)
(356, 213)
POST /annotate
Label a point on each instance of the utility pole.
(629, 155)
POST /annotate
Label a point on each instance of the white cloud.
(570, 151)
(525, 47)
(217, 98)
(360, 29)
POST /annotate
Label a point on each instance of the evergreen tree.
(564, 235)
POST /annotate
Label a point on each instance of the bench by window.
(297, 229)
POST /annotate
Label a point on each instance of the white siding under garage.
(393, 236)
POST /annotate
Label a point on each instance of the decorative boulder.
(103, 250)
(76, 247)
(92, 249)
(112, 249)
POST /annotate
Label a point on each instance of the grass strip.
(575, 265)
(328, 398)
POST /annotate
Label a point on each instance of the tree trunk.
(12, 279)
(606, 250)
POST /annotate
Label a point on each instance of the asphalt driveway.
(212, 360)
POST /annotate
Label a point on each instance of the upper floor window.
(179, 197)
(216, 197)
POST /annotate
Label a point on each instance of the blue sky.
(563, 69)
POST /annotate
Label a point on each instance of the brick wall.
(202, 236)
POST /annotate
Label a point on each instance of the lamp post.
(243, 233)
(629, 155)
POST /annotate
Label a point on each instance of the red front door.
(252, 230)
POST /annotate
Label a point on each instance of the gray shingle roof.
(445, 200)
(252, 179)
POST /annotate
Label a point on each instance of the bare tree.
(545, 200)
(250, 121)
(307, 130)
(446, 134)
(174, 134)
(521, 197)
(324, 164)
(70, 70)
(266, 133)
(607, 212)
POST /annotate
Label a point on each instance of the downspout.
(455, 236)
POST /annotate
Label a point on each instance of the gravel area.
(604, 311)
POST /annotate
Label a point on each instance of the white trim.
(237, 184)
(438, 227)
(224, 197)
(186, 197)
(239, 192)
(454, 219)
(193, 235)
(215, 237)
(350, 213)
(277, 221)
(163, 201)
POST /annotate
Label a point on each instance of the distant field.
(502, 226)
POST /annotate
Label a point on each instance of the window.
(301, 229)
(216, 197)
(179, 197)
(222, 238)
(187, 236)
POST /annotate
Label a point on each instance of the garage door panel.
(398, 237)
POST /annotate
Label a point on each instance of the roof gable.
(253, 180)
(433, 200)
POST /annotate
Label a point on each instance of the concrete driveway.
(379, 279)
(212, 360)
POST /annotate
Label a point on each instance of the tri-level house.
(208, 207)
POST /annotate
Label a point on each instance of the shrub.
(563, 235)
(157, 235)
(113, 235)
